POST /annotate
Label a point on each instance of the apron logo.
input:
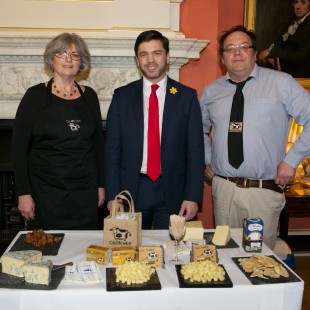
(74, 124)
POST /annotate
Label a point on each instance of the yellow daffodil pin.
(173, 90)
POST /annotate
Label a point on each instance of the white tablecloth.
(73, 296)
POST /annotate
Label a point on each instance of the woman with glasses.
(292, 49)
(58, 144)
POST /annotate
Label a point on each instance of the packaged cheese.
(13, 261)
(193, 230)
(222, 235)
(252, 240)
(38, 272)
(203, 252)
(151, 255)
(122, 254)
(96, 253)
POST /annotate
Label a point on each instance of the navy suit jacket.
(182, 145)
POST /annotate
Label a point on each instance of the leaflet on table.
(84, 272)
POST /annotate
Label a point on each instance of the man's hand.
(189, 208)
(263, 55)
(285, 174)
(120, 206)
(209, 173)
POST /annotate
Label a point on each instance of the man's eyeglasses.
(64, 55)
(231, 49)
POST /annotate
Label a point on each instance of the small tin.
(253, 235)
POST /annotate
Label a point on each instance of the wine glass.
(176, 229)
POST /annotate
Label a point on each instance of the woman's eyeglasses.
(231, 49)
(64, 55)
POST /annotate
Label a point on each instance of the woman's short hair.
(238, 28)
(150, 35)
(61, 43)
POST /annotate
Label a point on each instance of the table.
(68, 296)
(297, 205)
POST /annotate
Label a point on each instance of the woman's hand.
(101, 196)
(26, 207)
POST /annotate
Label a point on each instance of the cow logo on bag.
(120, 236)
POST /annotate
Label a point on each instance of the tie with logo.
(235, 130)
(153, 139)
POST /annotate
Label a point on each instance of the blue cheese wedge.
(13, 261)
(38, 272)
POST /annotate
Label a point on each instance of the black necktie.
(235, 130)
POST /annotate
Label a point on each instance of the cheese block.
(13, 261)
(38, 272)
(122, 254)
(203, 252)
(221, 235)
(151, 255)
(193, 230)
(98, 254)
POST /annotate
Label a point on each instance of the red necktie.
(153, 139)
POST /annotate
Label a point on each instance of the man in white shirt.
(177, 186)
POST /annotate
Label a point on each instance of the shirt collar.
(301, 20)
(162, 84)
(254, 74)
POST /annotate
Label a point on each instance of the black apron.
(62, 167)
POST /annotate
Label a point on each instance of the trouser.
(232, 204)
(150, 202)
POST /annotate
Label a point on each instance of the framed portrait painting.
(268, 19)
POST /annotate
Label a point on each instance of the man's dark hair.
(239, 28)
(150, 35)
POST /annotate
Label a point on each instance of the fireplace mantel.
(113, 64)
(109, 27)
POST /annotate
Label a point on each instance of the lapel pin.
(173, 90)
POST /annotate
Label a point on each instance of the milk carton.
(253, 235)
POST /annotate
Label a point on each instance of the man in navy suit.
(178, 188)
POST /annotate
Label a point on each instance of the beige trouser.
(232, 204)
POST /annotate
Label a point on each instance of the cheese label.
(151, 255)
(98, 254)
(122, 254)
(204, 252)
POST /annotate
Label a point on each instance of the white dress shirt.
(161, 95)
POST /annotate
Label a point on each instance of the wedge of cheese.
(193, 230)
(222, 235)
(13, 261)
(38, 272)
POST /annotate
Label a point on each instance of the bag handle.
(123, 197)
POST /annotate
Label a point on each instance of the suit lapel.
(138, 109)
(169, 109)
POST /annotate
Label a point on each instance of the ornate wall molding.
(113, 65)
(110, 28)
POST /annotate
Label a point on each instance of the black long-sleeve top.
(29, 125)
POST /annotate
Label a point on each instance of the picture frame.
(268, 18)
